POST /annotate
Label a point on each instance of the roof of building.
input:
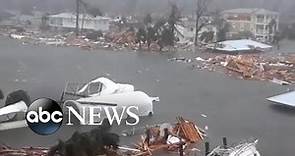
(72, 15)
(250, 11)
(241, 45)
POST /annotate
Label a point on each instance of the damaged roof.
(241, 45)
(250, 11)
(73, 16)
(285, 99)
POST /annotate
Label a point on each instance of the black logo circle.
(44, 116)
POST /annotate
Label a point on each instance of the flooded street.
(234, 108)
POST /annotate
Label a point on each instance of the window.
(56, 21)
(259, 29)
(260, 18)
(247, 27)
(94, 88)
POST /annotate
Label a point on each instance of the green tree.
(150, 36)
(221, 25)
(141, 36)
(201, 10)
(272, 30)
(172, 21)
(207, 36)
(166, 38)
(148, 19)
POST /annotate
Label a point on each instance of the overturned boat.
(106, 93)
(12, 115)
(104, 86)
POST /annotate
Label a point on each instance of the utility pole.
(77, 16)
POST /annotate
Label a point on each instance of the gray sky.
(148, 6)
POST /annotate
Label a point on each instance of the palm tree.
(172, 21)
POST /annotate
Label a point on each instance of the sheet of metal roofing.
(285, 99)
(242, 45)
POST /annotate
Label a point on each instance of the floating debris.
(276, 69)
(169, 137)
(25, 151)
(287, 99)
(245, 148)
(204, 115)
(181, 59)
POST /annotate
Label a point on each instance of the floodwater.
(235, 108)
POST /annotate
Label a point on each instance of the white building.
(68, 20)
(263, 24)
(186, 31)
(184, 34)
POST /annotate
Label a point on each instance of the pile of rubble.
(115, 40)
(166, 137)
(120, 40)
(277, 69)
(25, 151)
(180, 137)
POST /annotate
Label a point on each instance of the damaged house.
(86, 21)
(185, 31)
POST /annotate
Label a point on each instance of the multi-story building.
(262, 24)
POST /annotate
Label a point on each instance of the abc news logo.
(45, 116)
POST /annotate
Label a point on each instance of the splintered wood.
(189, 131)
(265, 67)
(244, 66)
(275, 69)
(183, 135)
(25, 151)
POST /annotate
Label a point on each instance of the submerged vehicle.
(245, 148)
(104, 92)
(12, 114)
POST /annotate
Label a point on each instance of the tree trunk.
(197, 31)
(77, 17)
